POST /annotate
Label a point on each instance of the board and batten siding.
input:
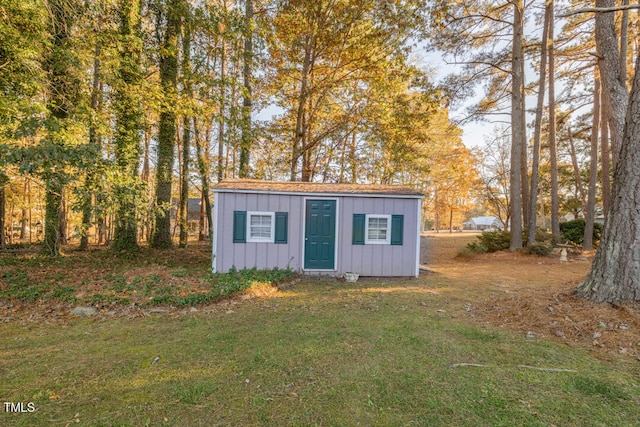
(253, 254)
(367, 259)
(375, 259)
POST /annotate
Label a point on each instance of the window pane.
(260, 226)
(377, 229)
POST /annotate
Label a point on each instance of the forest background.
(115, 113)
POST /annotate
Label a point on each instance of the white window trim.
(272, 230)
(367, 241)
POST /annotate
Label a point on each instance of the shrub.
(540, 249)
(489, 241)
(573, 231)
(494, 241)
(541, 236)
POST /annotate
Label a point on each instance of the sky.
(474, 132)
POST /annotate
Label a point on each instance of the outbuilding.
(315, 228)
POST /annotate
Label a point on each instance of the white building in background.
(482, 223)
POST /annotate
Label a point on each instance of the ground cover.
(436, 350)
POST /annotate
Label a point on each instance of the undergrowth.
(96, 282)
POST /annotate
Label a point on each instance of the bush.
(541, 236)
(573, 231)
(540, 249)
(489, 241)
(494, 241)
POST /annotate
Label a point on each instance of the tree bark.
(624, 41)
(517, 131)
(129, 115)
(299, 136)
(614, 87)
(204, 171)
(221, 121)
(246, 140)
(593, 170)
(605, 157)
(63, 97)
(167, 128)
(2, 214)
(615, 272)
(186, 130)
(96, 93)
(535, 169)
(553, 147)
(576, 171)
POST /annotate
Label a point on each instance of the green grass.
(317, 354)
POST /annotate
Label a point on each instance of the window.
(260, 226)
(268, 227)
(378, 229)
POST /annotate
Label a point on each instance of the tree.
(590, 212)
(129, 116)
(186, 128)
(518, 136)
(553, 145)
(64, 95)
(475, 35)
(494, 174)
(615, 272)
(247, 138)
(535, 168)
(167, 126)
(23, 35)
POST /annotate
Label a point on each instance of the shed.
(315, 228)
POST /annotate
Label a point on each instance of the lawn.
(377, 352)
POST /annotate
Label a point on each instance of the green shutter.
(397, 226)
(281, 227)
(358, 229)
(239, 226)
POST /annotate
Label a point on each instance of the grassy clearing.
(378, 353)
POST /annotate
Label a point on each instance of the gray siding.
(378, 260)
(368, 260)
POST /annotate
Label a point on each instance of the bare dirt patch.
(533, 295)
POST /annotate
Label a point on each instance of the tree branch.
(598, 10)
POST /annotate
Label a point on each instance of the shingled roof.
(259, 186)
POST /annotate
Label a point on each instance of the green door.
(320, 235)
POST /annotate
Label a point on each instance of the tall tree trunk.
(62, 97)
(204, 168)
(3, 205)
(517, 131)
(246, 139)
(62, 219)
(624, 42)
(96, 93)
(613, 86)
(535, 170)
(167, 127)
(186, 131)
(590, 213)
(615, 272)
(53, 203)
(129, 116)
(576, 171)
(25, 202)
(605, 157)
(221, 120)
(553, 147)
(201, 222)
(300, 130)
